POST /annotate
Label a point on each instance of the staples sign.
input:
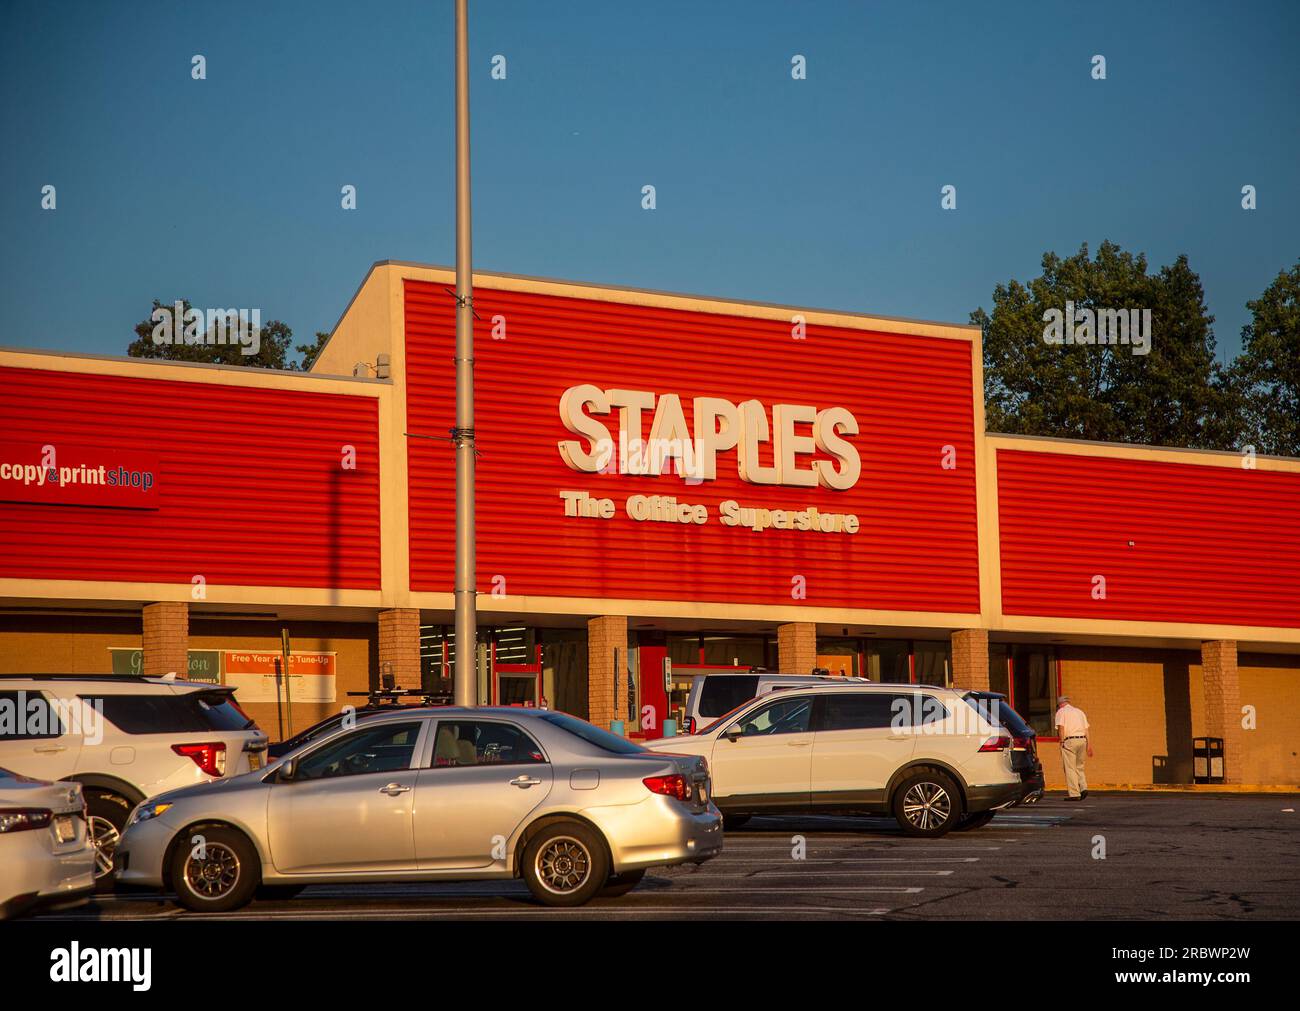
(795, 433)
(63, 474)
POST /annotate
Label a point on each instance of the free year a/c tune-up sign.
(77, 475)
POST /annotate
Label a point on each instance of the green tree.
(1269, 367)
(273, 345)
(1175, 395)
(310, 352)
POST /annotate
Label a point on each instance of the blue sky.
(821, 193)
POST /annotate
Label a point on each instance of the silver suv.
(432, 794)
(124, 739)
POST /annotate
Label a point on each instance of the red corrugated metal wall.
(917, 546)
(1210, 544)
(251, 490)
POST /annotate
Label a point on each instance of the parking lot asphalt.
(1122, 856)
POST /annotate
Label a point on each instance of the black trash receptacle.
(1207, 759)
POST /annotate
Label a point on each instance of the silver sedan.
(438, 794)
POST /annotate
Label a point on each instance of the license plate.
(254, 760)
(65, 828)
(703, 790)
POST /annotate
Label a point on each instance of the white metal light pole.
(466, 693)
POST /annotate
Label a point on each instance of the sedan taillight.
(669, 786)
(23, 819)
(996, 744)
(210, 757)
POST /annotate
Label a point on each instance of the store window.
(514, 645)
(684, 649)
(1027, 676)
(932, 662)
(1033, 687)
(842, 657)
(1000, 669)
(563, 680)
(734, 650)
(888, 661)
(564, 669)
(437, 660)
(721, 649)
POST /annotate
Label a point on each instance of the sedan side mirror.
(734, 733)
(288, 770)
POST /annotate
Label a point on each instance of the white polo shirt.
(1071, 721)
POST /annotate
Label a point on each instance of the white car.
(124, 739)
(930, 756)
(47, 859)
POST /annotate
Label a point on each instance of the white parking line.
(928, 847)
(797, 890)
(821, 874)
(583, 912)
(727, 860)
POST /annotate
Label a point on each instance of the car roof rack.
(392, 697)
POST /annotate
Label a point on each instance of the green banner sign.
(205, 664)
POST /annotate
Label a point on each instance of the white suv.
(124, 739)
(930, 756)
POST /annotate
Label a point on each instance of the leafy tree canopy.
(1268, 368)
(1174, 395)
(192, 340)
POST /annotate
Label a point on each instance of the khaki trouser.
(1073, 753)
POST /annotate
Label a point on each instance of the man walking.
(1072, 728)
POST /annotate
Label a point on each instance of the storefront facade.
(666, 484)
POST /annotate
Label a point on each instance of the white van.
(714, 695)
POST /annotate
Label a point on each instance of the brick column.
(167, 639)
(1223, 703)
(604, 635)
(970, 659)
(796, 647)
(399, 645)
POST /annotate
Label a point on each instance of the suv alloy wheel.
(927, 804)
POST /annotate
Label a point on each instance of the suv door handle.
(797, 744)
(524, 782)
(50, 747)
(900, 737)
(393, 789)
